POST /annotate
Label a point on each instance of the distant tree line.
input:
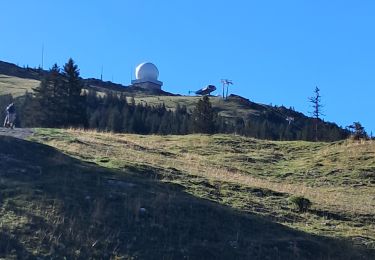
(116, 114)
(273, 126)
(61, 100)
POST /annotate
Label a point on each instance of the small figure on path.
(11, 116)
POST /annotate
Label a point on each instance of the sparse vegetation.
(249, 175)
(300, 203)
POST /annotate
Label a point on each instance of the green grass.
(211, 197)
(16, 86)
(249, 176)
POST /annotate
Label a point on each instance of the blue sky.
(274, 51)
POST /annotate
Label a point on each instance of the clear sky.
(274, 51)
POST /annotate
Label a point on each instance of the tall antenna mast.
(223, 82)
(42, 54)
(101, 74)
(226, 83)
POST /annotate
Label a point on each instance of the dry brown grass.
(126, 148)
(224, 159)
(16, 86)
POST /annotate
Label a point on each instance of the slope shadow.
(73, 209)
(11, 248)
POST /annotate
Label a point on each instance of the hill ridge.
(247, 117)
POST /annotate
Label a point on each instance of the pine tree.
(239, 126)
(75, 102)
(94, 120)
(126, 115)
(358, 131)
(203, 117)
(317, 109)
(165, 124)
(184, 128)
(45, 106)
(114, 120)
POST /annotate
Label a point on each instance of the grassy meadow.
(337, 177)
(250, 178)
(16, 86)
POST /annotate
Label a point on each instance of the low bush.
(300, 203)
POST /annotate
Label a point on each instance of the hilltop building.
(146, 75)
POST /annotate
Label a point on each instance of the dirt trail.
(21, 133)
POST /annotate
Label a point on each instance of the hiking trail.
(21, 133)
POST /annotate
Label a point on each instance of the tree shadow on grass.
(10, 247)
(75, 209)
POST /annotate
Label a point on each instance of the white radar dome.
(147, 70)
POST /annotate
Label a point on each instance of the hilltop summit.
(246, 117)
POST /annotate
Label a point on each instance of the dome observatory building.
(146, 76)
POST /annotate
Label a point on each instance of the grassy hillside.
(212, 197)
(16, 86)
(247, 117)
(229, 108)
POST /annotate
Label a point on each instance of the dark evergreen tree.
(203, 117)
(74, 105)
(358, 131)
(44, 109)
(25, 116)
(239, 126)
(184, 128)
(114, 120)
(317, 109)
(165, 124)
(94, 120)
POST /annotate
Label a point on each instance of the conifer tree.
(94, 120)
(358, 131)
(203, 117)
(46, 105)
(114, 120)
(317, 109)
(75, 102)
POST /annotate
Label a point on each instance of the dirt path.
(21, 133)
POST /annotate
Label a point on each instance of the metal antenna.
(42, 54)
(226, 83)
(101, 74)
